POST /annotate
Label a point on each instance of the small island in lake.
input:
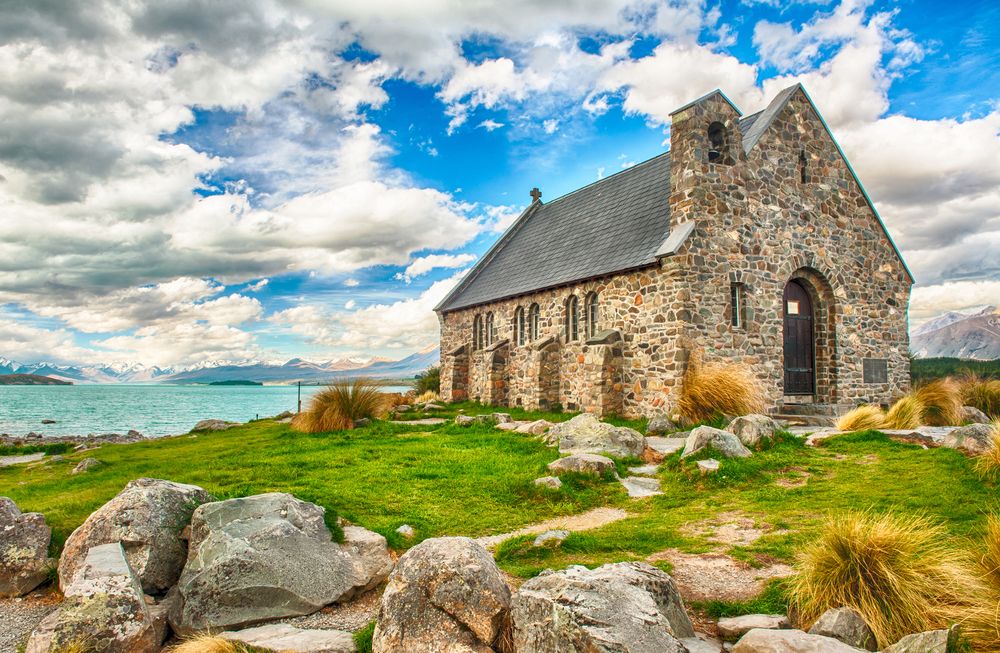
(30, 379)
(236, 382)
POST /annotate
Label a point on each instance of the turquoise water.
(153, 410)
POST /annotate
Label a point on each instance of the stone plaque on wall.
(876, 370)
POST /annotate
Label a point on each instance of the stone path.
(645, 470)
(7, 461)
(930, 436)
(665, 446)
(427, 421)
(714, 576)
(640, 487)
(594, 518)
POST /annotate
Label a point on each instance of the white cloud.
(350, 304)
(424, 264)
(351, 283)
(257, 286)
(490, 125)
(930, 301)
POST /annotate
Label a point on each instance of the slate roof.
(612, 225)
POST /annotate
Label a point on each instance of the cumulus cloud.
(425, 264)
(930, 301)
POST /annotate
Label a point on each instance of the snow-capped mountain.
(290, 371)
(975, 336)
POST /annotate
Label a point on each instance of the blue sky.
(184, 182)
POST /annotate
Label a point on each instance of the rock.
(402, 408)
(406, 531)
(587, 434)
(48, 421)
(501, 418)
(147, 517)
(709, 466)
(283, 415)
(538, 427)
(933, 641)
(159, 614)
(645, 470)
(370, 555)
(24, 550)
(361, 423)
(510, 426)
(974, 439)
(627, 607)
(660, 424)
(550, 538)
(583, 463)
(552, 482)
(702, 643)
(469, 420)
(213, 425)
(132, 433)
(753, 429)
(430, 405)
(639, 487)
(724, 442)
(973, 415)
(734, 627)
(846, 625)
(104, 607)
(762, 640)
(283, 638)
(663, 447)
(86, 465)
(265, 557)
(446, 594)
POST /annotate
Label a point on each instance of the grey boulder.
(446, 594)
(627, 607)
(846, 625)
(587, 434)
(753, 429)
(24, 550)
(724, 442)
(551, 482)
(147, 517)
(973, 415)
(763, 640)
(974, 439)
(213, 425)
(734, 627)
(283, 638)
(86, 465)
(266, 557)
(582, 463)
(932, 641)
(104, 607)
(660, 424)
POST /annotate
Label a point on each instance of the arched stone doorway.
(809, 340)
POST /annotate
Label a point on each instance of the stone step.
(805, 420)
(831, 410)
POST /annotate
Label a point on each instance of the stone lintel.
(606, 337)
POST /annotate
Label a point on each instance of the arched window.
(491, 330)
(477, 324)
(572, 318)
(519, 326)
(534, 314)
(718, 145)
(593, 315)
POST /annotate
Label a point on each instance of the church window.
(572, 319)
(534, 315)
(718, 146)
(593, 315)
(519, 333)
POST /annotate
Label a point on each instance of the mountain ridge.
(974, 336)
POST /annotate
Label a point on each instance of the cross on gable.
(536, 195)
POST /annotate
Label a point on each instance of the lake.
(153, 410)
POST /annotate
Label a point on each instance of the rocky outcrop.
(789, 641)
(933, 641)
(734, 627)
(846, 625)
(628, 607)
(753, 429)
(446, 594)
(587, 434)
(104, 608)
(582, 463)
(724, 442)
(213, 425)
(973, 440)
(147, 517)
(24, 550)
(283, 638)
(265, 557)
(86, 465)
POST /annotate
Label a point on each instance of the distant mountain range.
(959, 335)
(209, 371)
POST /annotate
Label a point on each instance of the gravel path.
(594, 518)
(18, 617)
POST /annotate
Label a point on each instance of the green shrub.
(363, 638)
(429, 381)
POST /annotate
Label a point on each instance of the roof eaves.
(705, 97)
(488, 256)
(675, 239)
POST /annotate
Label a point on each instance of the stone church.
(751, 240)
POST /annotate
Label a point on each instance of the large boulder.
(660, 424)
(582, 463)
(974, 439)
(846, 625)
(735, 627)
(213, 425)
(973, 415)
(587, 434)
(265, 557)
(446, 594)
(147, 517)
(753, 429)
(932, 641)
(627, 607)
(763, 640)
(104, 608)
(24, 550)
(284, 638)
(724, 442)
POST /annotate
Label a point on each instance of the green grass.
(773, 600)
(445, 480)
(363, 638)
(25, 449)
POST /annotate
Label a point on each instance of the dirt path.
(594, 518)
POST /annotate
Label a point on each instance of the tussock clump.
(988, 464)
(428, 396)
(339, 405)
(983, 394)
(212, 644)
(982, 624)
(862, 418)
(899, 573)
(906, 413)
(942, 399)
(718, 389)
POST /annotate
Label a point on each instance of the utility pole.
(300, 397)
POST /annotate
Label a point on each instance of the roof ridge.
(604, 179)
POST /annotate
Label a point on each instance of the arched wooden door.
(800, 357)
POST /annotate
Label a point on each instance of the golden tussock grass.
(942, 399)
(708, 390)
(427, 396)
(339, 405)
(900, 573)
(983, 394)
(906, 413)
(862, 418)
(211, 644)
(988, 464)
(981, 624)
